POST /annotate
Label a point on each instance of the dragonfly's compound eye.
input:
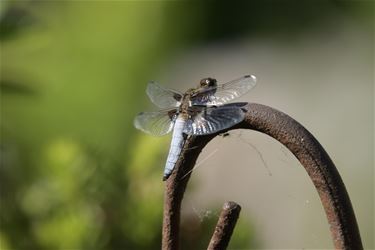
(208, 82)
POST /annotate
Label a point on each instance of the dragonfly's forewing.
(208, 120)
(156, 123)
(222, 94)
(163, 97)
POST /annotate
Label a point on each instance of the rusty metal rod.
(225, 225)
(302, 144)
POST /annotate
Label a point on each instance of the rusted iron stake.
(225, 225)
(302, 144)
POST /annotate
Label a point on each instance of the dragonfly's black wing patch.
(208, 120)
(156, 123)
(222, 94)
(163, 97)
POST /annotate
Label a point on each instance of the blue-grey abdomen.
(176, 147)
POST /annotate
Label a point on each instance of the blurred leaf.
(12, 20)
(11, 87)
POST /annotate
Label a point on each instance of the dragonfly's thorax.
(185, 109)
(186, 103)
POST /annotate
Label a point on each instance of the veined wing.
(163, 97)
(208, 120)
(156, 123)
(222, 94)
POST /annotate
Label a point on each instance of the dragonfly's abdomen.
(176, 146)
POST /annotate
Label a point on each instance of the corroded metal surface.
(302, 144)
(225, 225)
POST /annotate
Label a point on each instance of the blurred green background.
(74, 172)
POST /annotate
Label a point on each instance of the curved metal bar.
(302, 144)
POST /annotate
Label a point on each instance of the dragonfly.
(198, 111)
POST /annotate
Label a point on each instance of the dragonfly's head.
(207, 82)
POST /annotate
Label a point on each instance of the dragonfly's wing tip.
(137, 122)
(253, 77)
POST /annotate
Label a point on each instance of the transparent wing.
(163, 97)
(222, 94)
(156, 123)
(208, 120)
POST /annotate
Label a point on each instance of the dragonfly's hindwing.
(156, 123)
(213, 119)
